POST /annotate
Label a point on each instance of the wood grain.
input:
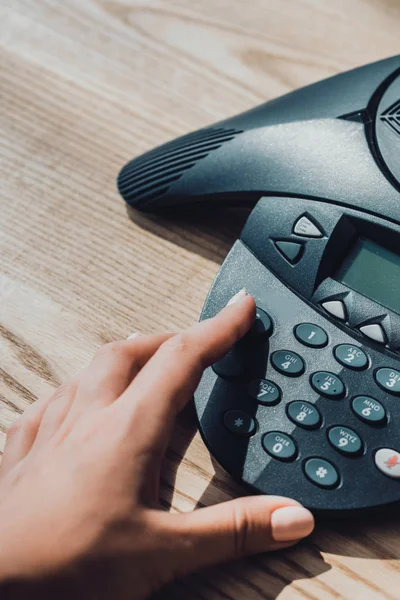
(85, 86)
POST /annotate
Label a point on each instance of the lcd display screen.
(374, 272)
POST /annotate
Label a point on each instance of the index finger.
(169, 379)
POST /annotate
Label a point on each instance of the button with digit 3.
(304, 414)
(264, 391)
(321, 472)
(369, 410)
(351, 357)
(328, 384)
(345, 440)
(239, 422)
(388, 380)
(311, 335)
(279, 445)
(288, 363)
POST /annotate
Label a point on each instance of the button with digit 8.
(388, 380)
(369, 410)
(288, 363)
(279, 445)
(304, 414)
(328, 384)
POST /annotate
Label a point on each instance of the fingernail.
(133, 336)
(237, 296)
(291, 523)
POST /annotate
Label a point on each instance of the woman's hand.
(79, 479)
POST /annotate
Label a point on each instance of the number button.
(351, 357)
(262, 325)
(388, 380)
(229, 366)
(264, 392)
(311, 335)
(279, 445)
(321, 472)
(328, 385)
(288, 363)
(239, 423)
(369, 410)
(345, 440)
(304, 414)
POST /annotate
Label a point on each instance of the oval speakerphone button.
(388, 380)
(369, 410)
(288, 363)
(304, 414)
(321, 472)
(328, 384)
(345, 440)
(239, 422)
(351, 356)
(264, 391)
(311, 335)
(388, 461)
(279, 445)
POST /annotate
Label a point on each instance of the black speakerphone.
(307, 405)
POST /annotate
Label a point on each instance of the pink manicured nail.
(291, 523)
(237, 296)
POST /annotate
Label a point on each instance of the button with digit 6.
(279, 445)
(369, 410)
(288, 363)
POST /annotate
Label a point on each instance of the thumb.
(237, 528)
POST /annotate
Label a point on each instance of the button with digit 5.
(288, 363)
(328, 384)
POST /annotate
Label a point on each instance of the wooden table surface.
(87, 85)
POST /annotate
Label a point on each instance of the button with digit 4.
(321, 472)
(288, 363)
(388, 380)
(369, 410)
(279, 445)
(345, 440)
(304, 414)
(351, 356)
(262, 325)
(311, 335)
(239, 422)
(264, 392)
(328, 385)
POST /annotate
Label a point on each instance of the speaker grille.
(150, 176)
(391, 116)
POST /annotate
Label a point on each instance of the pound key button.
(304, 414)
(288, 363)
(264, 392)
(345, 440)
(351, 357)
(388, 461)
(327, 384)
(369, 410)
(388, 380)
(321, 472)
(239, 422)
(279, 445)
